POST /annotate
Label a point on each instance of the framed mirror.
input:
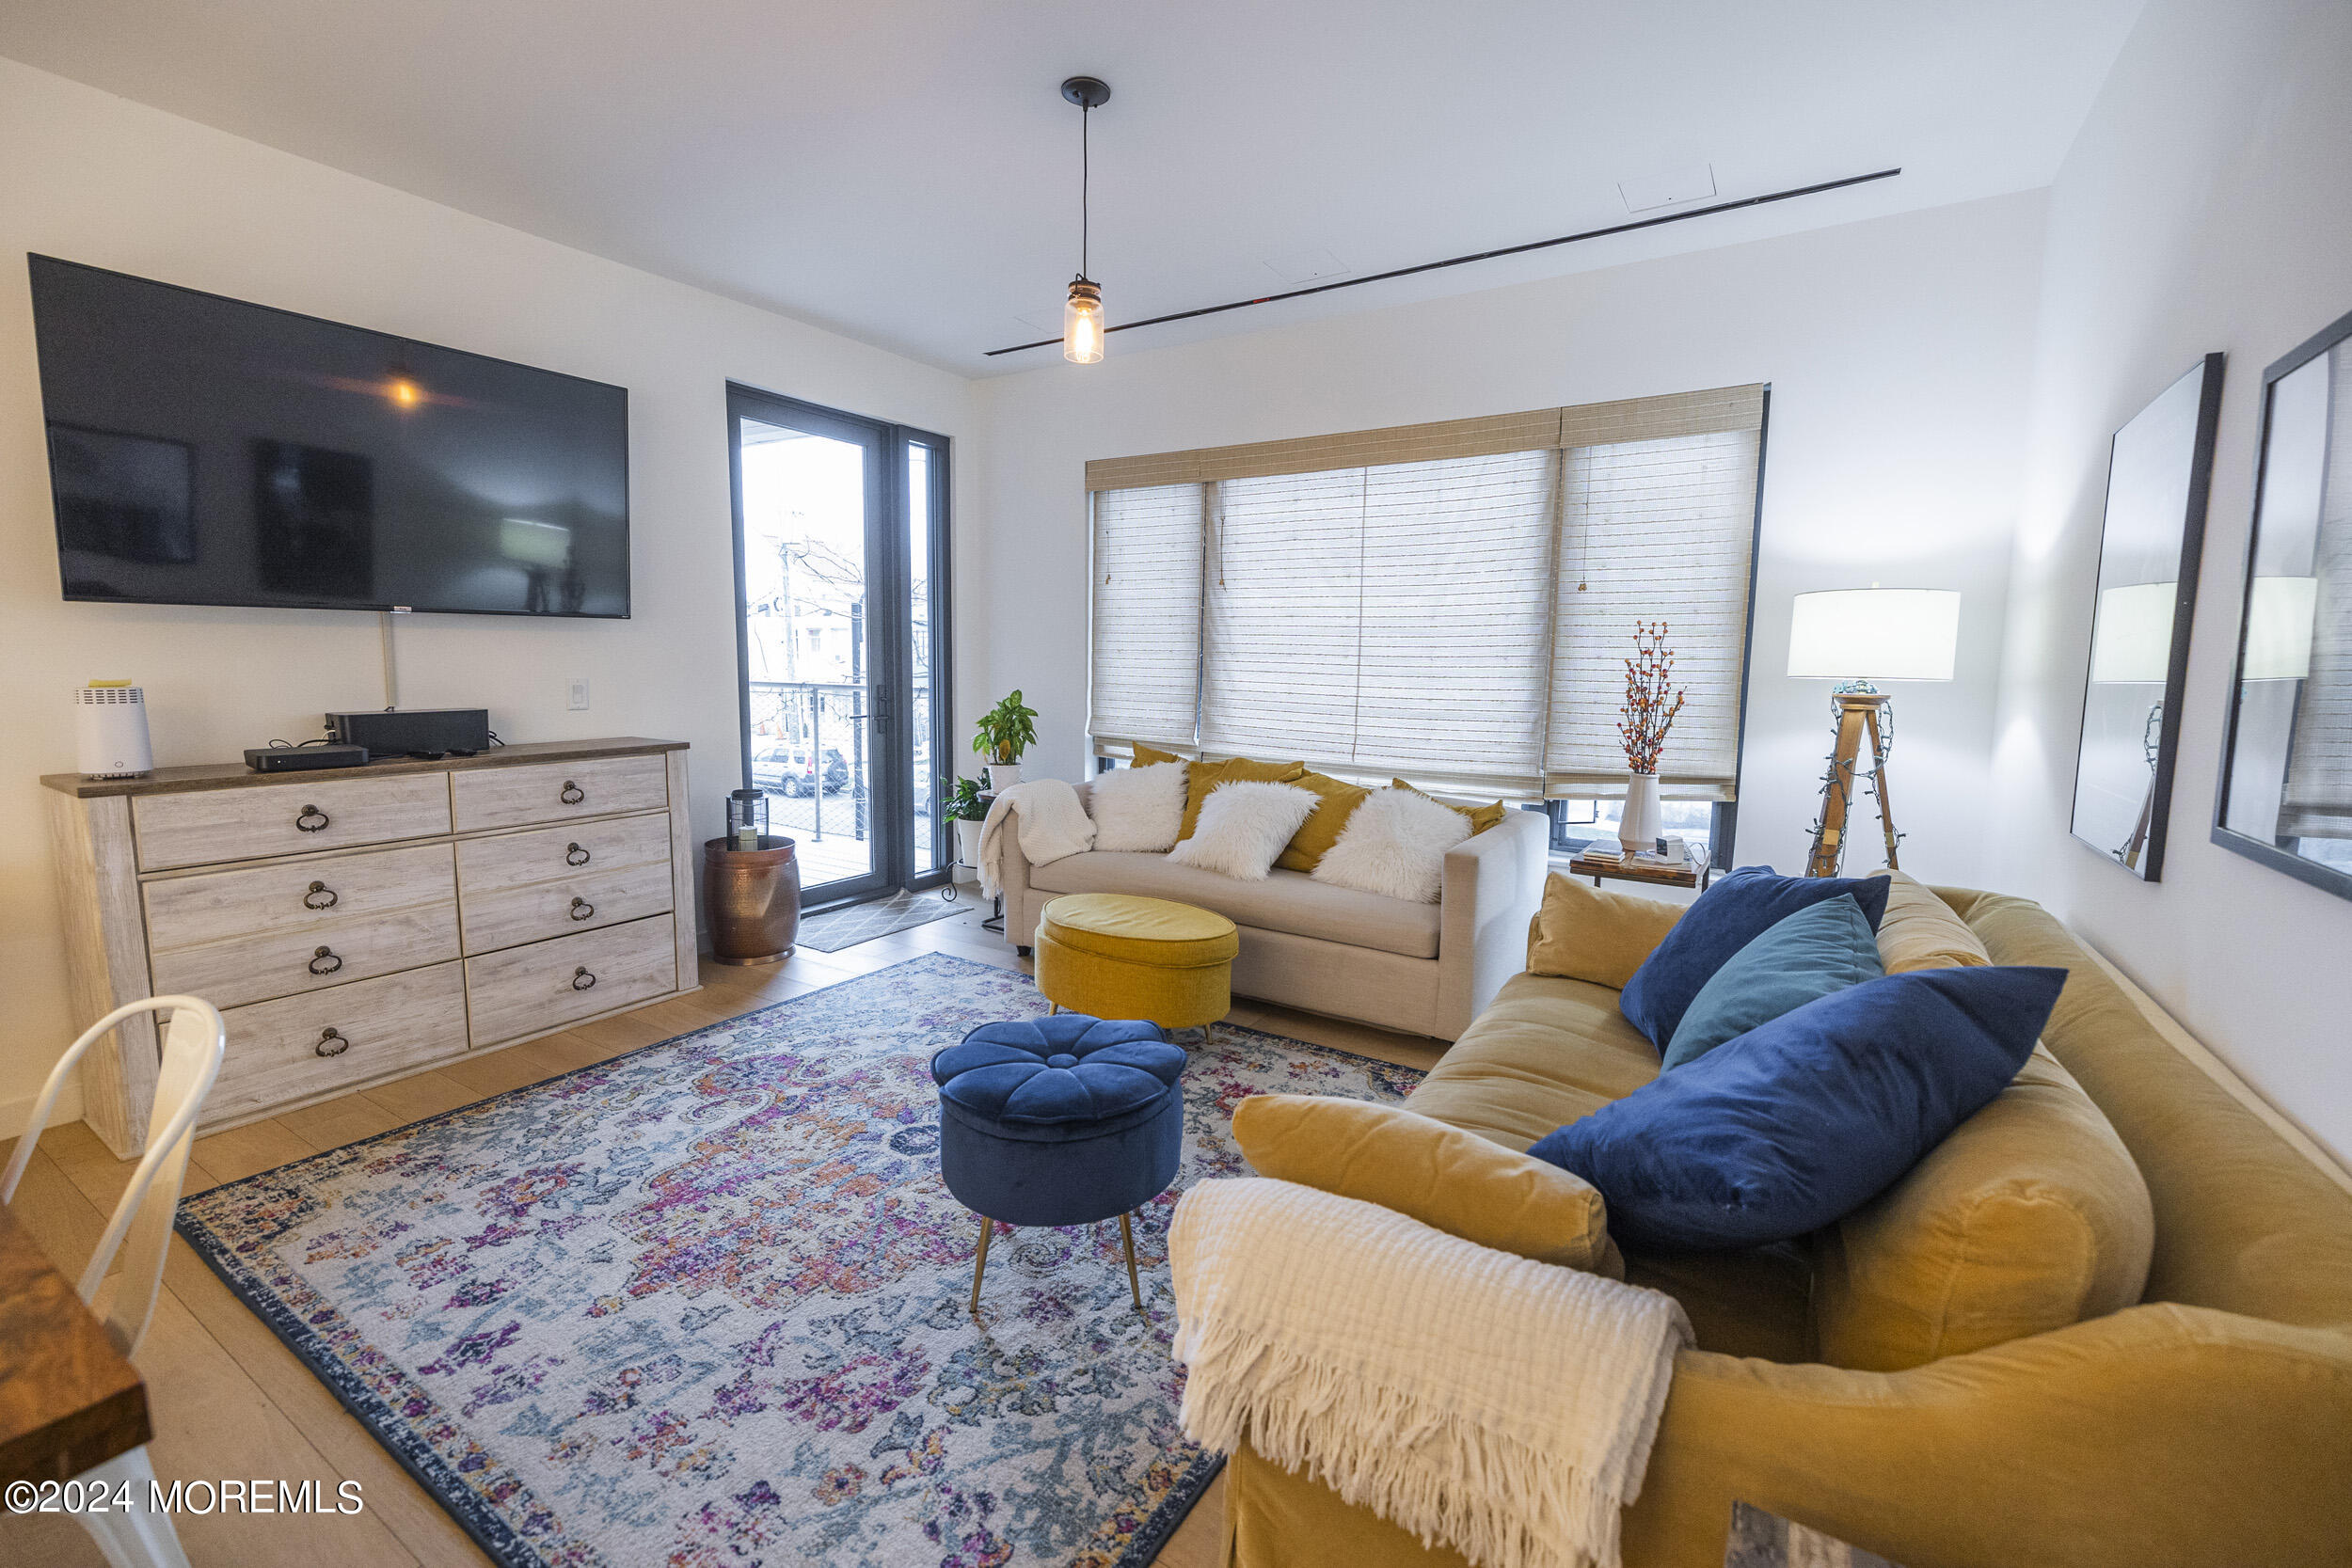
(2286, 771)
(2159, 470)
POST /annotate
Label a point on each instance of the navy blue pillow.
(1812, 953)
(1740, 907)
(1800, 1121)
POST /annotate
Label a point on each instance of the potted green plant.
(1003, 734)
(967, 810)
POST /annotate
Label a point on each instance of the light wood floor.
(229, 1400)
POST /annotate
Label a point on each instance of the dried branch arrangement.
(1649, 705)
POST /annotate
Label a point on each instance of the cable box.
(303, 759)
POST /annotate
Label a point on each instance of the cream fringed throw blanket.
(1044, 816)
(1500, 1406)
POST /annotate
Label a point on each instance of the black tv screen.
(203, 451)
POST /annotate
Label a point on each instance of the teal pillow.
(1820, 948)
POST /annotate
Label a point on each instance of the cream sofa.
(1425, 969)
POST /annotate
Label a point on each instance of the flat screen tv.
(207, 452)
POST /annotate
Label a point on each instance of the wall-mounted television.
(203, 451)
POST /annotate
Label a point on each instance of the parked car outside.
(790, 770)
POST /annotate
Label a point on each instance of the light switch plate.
(576, 692)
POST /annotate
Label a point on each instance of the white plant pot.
(1642, 823)
(1003, 775)
(968, 843)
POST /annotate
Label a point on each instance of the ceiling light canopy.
(1082, 314)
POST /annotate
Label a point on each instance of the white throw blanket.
(1053, 825)
(1500, 1406)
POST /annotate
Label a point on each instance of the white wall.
(94, 178)
(1899, 352)
(2207, 204)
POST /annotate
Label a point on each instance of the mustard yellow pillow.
(1920, 931)
(1147, 756)
(1587, 934)
(2029, 1217)
(1335, 802)
(1455, 1181)
(1481, 817)
(1201, 777)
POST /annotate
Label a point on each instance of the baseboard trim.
(16, 1115)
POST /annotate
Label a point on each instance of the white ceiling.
(906, 172)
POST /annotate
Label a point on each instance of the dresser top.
(236, 775)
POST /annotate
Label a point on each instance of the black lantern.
(747, 819)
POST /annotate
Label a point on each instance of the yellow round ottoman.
(1115, 955)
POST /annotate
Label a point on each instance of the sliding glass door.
(840, 532)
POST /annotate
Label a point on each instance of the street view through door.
(840, 527)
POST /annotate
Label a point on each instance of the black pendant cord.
(1464, 261)
(1086, 184)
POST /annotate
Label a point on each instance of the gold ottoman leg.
(979, 1265)
(1127, 1239)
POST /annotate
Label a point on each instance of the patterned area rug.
(835, 929)
(704, 1305)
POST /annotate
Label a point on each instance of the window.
(1450, 602)
(1706, 824)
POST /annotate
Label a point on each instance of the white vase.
(1003, 775)
(1639, 828)
(968, 844)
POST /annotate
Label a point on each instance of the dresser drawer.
(198, 828)
(585, 903)
(507, 861)
(313, 894)
(282, 1051)
(287, 962)
(558, 791)
(525, 989)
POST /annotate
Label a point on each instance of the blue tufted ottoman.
(1059, 1121)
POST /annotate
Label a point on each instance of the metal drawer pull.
(582, 979)
(583, 910)
(321, 896)
(303, 822)
(331, 1044)
(323, 961)
(572, 795)
(575, 855)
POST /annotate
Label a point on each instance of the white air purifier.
(110, 730)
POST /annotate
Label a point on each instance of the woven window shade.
(1653, 530)
(1384, 619)
(2316, 802)
(1407, 599)
(1145, 674)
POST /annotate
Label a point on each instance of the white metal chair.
(140, 1231)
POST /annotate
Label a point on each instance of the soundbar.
(415, 732)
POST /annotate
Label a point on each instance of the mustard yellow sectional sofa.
(1913, 1381)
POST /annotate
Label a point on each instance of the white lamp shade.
(2279, 619)
(2133, 642)
(1894, 634)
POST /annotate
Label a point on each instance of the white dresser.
(355, 925)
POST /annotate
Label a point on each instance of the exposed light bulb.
(1082, 323)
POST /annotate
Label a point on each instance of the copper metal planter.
(754, 900)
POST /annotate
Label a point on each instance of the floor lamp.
(1854, 636)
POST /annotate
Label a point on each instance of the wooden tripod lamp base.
(1857, 712)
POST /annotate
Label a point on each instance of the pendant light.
(1082, 316)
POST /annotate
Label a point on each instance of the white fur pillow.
(1395, 844)
(1137, 808)
(1243, 826)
